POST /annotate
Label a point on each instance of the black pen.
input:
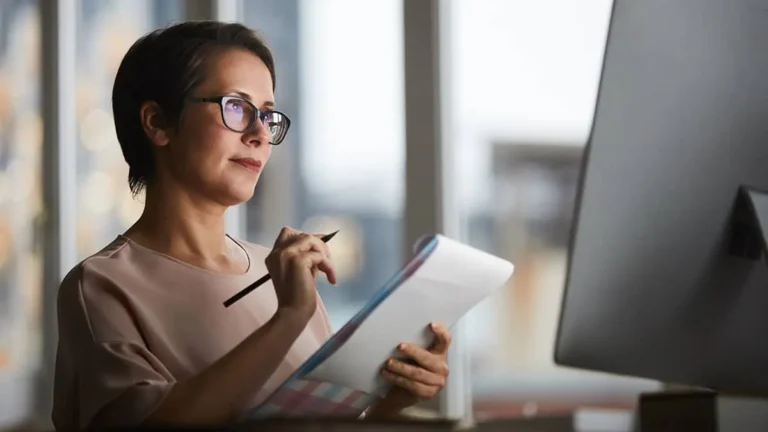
(245, 291)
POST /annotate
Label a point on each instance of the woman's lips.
(248, 163)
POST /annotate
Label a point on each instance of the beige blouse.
(133, 322)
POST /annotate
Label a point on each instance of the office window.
(106, 29)
(342, 164)
(524, 85)
(21, 200)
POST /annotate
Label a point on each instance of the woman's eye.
(235, 106)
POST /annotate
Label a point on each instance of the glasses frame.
(222, 100)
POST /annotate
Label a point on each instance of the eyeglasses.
(239, 115)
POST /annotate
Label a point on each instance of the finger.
(442, 338)
(415, 373)
(326, 267)
(315, 260)
(428, 360)
(325, 245)
(422, 391)
(285, 236)
(306, 242)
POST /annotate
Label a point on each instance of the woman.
(144, 338)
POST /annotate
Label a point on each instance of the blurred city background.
(522, 79)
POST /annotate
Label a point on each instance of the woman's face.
(206, 156)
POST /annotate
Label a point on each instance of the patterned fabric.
(314, 398)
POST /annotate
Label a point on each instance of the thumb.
(286, 234)
(442, 338)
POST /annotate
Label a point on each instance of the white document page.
(454, 279)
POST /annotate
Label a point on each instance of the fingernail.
(433, 326)
(401, 347)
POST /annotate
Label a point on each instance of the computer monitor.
(667, 276)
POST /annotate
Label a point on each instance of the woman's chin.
(233, 196)
(239, 197)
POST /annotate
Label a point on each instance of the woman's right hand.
(218, 394)
(293, 264)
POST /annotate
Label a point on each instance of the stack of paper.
(441, 283)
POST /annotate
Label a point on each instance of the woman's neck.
(181, 225)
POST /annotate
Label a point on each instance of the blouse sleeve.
(105, 376)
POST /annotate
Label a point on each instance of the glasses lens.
(277, 124)
(238, 114)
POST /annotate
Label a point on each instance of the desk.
(325, 425)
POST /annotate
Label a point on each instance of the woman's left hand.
(421, 378)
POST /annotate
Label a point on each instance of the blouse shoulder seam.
(80, 281)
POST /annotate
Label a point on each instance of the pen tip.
(330, 236)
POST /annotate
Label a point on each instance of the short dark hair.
(165, 66)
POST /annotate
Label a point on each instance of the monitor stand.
(749, 224)
(700, 411)
(703, 410)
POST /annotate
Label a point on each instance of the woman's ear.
(155, 123)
